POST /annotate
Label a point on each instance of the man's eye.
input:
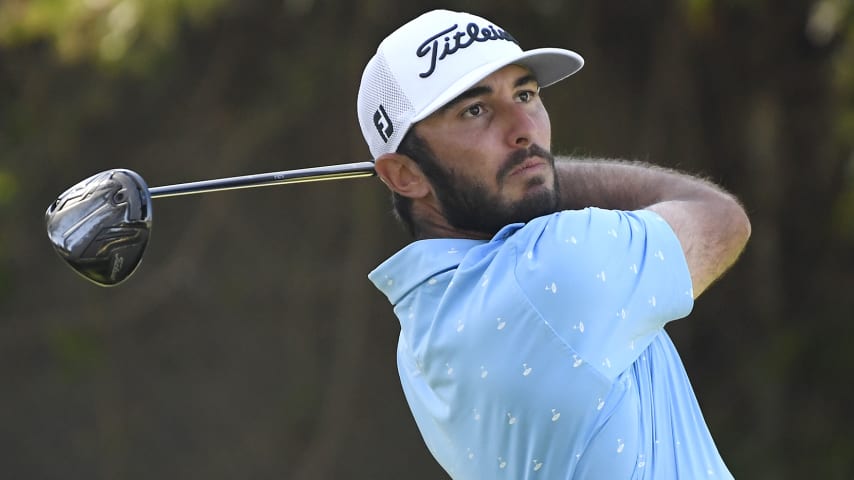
(526, 96)
(473, 111)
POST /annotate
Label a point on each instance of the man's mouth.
(524, 161)
(531, 163)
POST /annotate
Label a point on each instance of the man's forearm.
(622, 185)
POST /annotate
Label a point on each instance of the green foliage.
(110, 32)
(8, 188)
(837, 17)
(843, 75)
(78, 351)
(697, 14)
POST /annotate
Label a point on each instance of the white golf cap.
(434, 58)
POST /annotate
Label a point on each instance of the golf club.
(101, 226)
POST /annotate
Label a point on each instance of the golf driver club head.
(101, 226)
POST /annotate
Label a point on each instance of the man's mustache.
(519, 156)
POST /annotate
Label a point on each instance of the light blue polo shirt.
(541, 354)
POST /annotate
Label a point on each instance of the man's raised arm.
(711, 224)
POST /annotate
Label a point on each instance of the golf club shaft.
(315, 174)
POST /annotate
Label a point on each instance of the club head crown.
(101, 226)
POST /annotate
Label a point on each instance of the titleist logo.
(456, 42)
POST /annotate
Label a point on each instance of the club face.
(101, 226)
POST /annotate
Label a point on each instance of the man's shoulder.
(587, 226)
(593, 245)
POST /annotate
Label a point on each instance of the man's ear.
(402, 175)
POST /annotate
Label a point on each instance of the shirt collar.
(423, 259)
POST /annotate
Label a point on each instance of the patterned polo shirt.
(542, 352)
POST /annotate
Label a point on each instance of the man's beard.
(467, 203)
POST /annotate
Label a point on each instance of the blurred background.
(250, 344)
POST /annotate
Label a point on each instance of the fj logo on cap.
(383, 124)
(458, 41)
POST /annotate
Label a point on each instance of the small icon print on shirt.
(511, 420)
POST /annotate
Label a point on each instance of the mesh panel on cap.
(380, 88)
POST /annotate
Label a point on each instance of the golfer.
(533, 300)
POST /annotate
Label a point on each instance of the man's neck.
(431, 223)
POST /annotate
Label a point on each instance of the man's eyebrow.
(470, 93)
(526, 79)
(483, 90)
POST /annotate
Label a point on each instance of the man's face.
(490, 147)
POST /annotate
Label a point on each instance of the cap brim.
(549, 65)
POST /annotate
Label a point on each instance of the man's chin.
(537, 202)
(537, 189)
(469, 206)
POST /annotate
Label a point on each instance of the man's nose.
(520, 125)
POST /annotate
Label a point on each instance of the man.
(533, 301)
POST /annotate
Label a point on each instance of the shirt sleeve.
(605, 281)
